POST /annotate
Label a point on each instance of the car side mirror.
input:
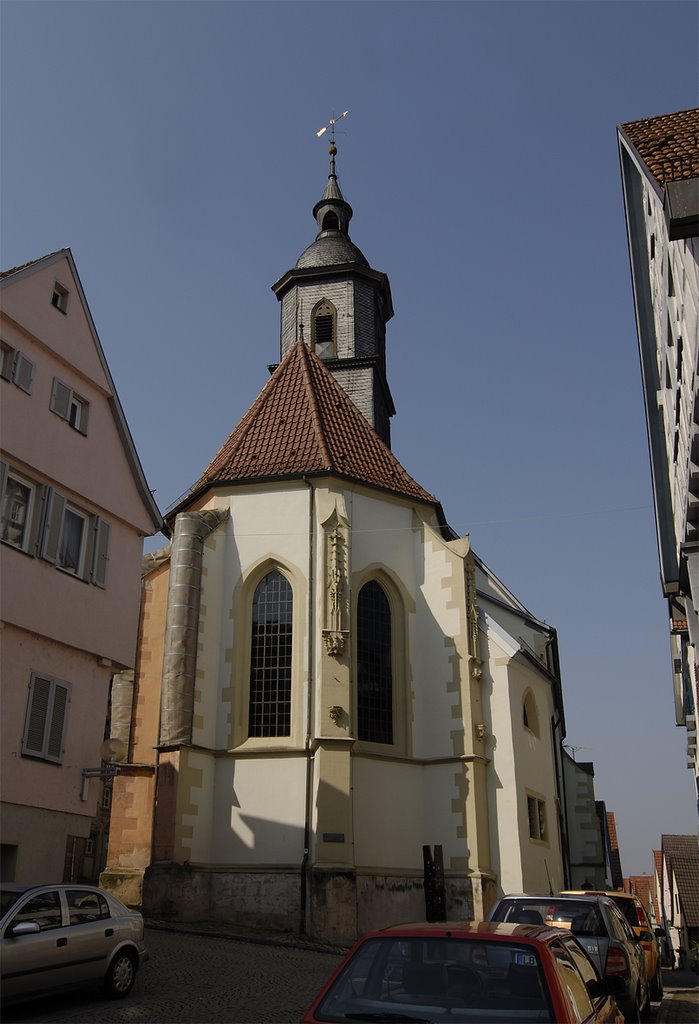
(661, 933)
(646, 936)
(25, 928)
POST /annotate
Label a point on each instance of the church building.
(331, 687)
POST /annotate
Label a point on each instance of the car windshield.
(629, 910)
(577, 916)
(396, 978)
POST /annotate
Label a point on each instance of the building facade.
(332, 690)
(75, 508)
(660, 176)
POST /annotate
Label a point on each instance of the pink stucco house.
(75, 508)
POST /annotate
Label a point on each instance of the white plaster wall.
(259, 811)
(260, 527)
(505, 825)
(200, 818)
(439, 616)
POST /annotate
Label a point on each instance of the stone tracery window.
(270, 657)
(374, 669)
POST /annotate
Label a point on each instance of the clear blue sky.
(172, 146)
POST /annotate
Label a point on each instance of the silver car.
(602, 931)
(55, 937)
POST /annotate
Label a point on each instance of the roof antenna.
(332, 149)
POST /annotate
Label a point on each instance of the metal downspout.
(309, 714)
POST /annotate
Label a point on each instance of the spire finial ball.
(333, 149)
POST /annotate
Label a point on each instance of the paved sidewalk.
(680, 1003)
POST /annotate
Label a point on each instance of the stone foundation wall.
(340, 904)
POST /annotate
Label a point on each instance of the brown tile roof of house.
(615, 865)
(668, 144)
(658, 861)
(686, 871)
(685, 845)
(304, 423)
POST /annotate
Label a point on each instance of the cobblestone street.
(207, 979)
(199, 979)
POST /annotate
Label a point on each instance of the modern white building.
(660, 176)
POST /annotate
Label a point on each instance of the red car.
(466, 972)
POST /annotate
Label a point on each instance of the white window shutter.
(53, 521)
(23, 374)
(100, 554)
(61, 395)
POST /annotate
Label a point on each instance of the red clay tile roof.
(668, 144)
(303, 423)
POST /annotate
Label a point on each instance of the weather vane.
(331, 125)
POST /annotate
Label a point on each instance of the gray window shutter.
(53, 521)
(23, 374)
(46, 718)
(54, 739)
(37, 715)
(61, 395)
(100, 554)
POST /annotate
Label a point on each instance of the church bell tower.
(333, 301)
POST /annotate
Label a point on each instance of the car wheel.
(635, 1015)
(121, 975)
(646, 1008)
(656, 986)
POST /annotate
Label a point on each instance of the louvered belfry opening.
(323, 334)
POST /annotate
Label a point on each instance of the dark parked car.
(466, 972)
(55, 937)
(600, 927)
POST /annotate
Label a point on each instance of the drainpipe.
(182, 626)
(309, 711)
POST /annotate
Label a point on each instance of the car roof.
(559, 897)
(611, 893)
(470, 930)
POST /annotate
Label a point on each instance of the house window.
(17, 510)
(59, 297)
(15, 367)
(45, 723)
(69, 406)
(536, 812)
(270, 658)
(71, 545)
(529, 713)
(73, 540)
(374, 673)
(323, 323)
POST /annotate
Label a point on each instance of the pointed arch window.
(270, 661)
(374, 670)
(323, 329)
(530, 717)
